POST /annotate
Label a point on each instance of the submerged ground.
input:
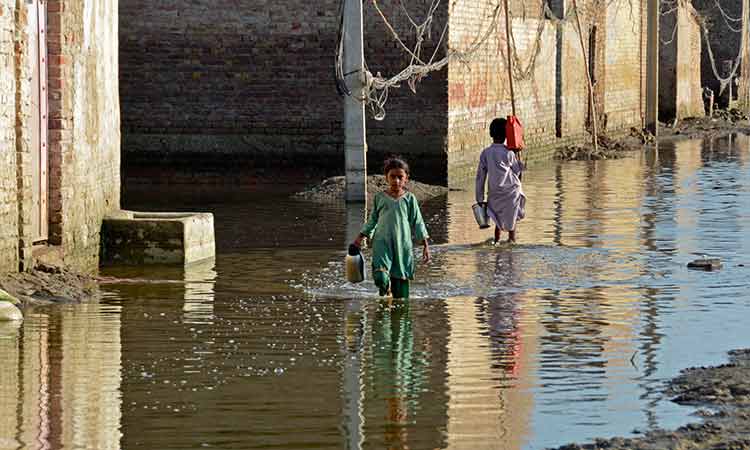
(568, 336)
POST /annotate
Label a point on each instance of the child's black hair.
(395, 163)
(497, 129)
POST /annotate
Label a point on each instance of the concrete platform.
(139, 238)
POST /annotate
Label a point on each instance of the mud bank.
(722, 393)
(50, 285)
(723, 123)
(334, 189)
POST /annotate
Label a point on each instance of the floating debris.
(707, 264)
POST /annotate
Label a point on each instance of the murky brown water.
(565, 337)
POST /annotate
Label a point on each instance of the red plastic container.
(514, 133)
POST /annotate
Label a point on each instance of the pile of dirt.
(607, 148)
(724, 389)
(46, 285)
(723, 122)
(334, 189)
(733, 115)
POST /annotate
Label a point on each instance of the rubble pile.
(334, 189)
(607, 148)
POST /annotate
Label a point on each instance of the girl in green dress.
(395, 218)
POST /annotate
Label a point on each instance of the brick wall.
(222, 83)
(680, 90)
(689, 86)
(479, 91)
(552, 102)
(84, 138)
(225, 84)
(84, 125)
(8, 183)
(623, 61)
(23, 93)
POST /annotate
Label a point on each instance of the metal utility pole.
(355, 143)
(652, 68)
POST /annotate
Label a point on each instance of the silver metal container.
(354, 265)
(480, 215)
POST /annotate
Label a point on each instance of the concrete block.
(10, 312)
(5, 297)
(138, 238)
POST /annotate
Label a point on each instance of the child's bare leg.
(400, 288)
(512, 236)
(497, 234)
(382, 281)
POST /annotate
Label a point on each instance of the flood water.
(568, 336)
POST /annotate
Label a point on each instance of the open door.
(37, 28)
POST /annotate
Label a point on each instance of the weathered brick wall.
(552, 102)
(85, 125)
(251, 86)
(84, 137)
(24, 130)
(689, 87)
(680, 90)
(572, 77)
(622, 107)
(8, 184)
(247, 85)
(479, 91)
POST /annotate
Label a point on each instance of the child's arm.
(481, 178)
(426, 257)
(369, 227)
(420, 229)
(516, 165)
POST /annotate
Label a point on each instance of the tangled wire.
(702, 18)
(377, 86)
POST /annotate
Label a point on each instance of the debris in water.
(707, 264)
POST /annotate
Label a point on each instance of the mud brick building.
(680, 86)
(227, 84)
(59, 129)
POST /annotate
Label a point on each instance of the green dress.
(390, 228)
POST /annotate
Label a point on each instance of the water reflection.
(488, 406)
(200, 279)
(355, 324)
(567, 336)
(60, 380)
(397, 374)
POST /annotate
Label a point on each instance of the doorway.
(39, 145)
